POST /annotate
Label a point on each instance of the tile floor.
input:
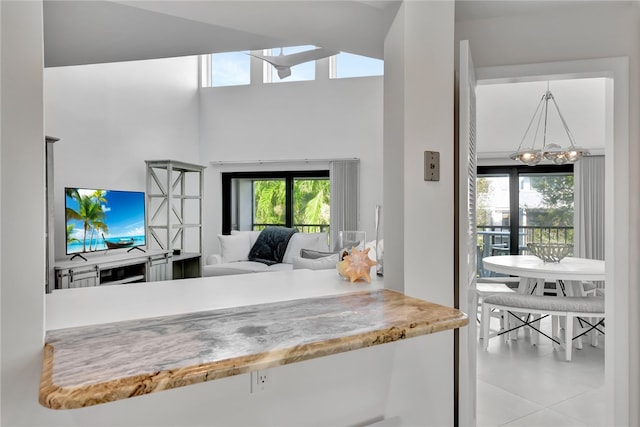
(524, 385)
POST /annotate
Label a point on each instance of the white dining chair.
(483, 290)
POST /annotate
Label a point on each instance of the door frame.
(617, 249)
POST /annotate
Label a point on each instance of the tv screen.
(98, 219)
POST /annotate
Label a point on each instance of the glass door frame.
(514, 172)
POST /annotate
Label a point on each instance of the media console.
(113, 269)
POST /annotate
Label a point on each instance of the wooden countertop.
(88, 365)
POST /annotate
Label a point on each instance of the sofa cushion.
(253, 235)
(299, 241)
(279, 267)
(324, 263)
(224, 269)
(241, 267)
(234, 247)
(271, 245)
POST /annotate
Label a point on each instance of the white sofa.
(235, 248)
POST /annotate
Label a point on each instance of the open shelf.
(123, 274)
(102, 269)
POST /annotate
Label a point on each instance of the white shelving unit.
(50, 279)
(174, 214)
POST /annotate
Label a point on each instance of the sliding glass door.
(517, 205)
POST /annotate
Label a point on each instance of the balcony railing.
(495, 240)
(303, 228)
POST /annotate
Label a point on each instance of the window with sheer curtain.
(345, 196)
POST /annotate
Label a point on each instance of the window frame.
(514, 172)
(288, 176)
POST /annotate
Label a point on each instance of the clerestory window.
(226, 69)
(234, 68)
(347, 65)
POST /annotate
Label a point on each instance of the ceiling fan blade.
(283, 72)
(283, 63)
(270, 59)
(308, 55)
(296, 58)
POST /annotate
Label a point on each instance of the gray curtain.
(345, 196)
(588, 236)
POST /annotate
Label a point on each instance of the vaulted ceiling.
(84, 32)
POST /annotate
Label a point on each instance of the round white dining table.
(569, 269)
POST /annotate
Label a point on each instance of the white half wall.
(321, 119)
(110, 118)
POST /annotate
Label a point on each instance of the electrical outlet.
(259, 381)
(431, 166)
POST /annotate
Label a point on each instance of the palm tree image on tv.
(103, 219)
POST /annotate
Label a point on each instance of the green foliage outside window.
(549, 221)
(270, 203)
(311, 202)
(483, 211)
(557, 197)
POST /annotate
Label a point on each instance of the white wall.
(594, 31)
(393, 152)
(421, 83)
(321, 119)
(110, 118)
(23, 211)
(1, 198)
(504, 111)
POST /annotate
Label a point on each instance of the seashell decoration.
(356, 265)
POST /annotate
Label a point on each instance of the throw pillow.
(234, 247)
(324, 263)
(253, 235)
(312, 254)
(299, 241)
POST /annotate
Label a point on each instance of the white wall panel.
(110, 118)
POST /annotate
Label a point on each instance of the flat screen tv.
(98, 220)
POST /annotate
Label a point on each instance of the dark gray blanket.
(271, 245)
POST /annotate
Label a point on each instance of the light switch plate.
(431, 166)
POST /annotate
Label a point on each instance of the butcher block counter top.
(93, 364)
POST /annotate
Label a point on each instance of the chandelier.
(550, 151)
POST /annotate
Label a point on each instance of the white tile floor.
(524, 385)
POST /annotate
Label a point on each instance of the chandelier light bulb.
(574, 154)
(528, 156)
(555, 153)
